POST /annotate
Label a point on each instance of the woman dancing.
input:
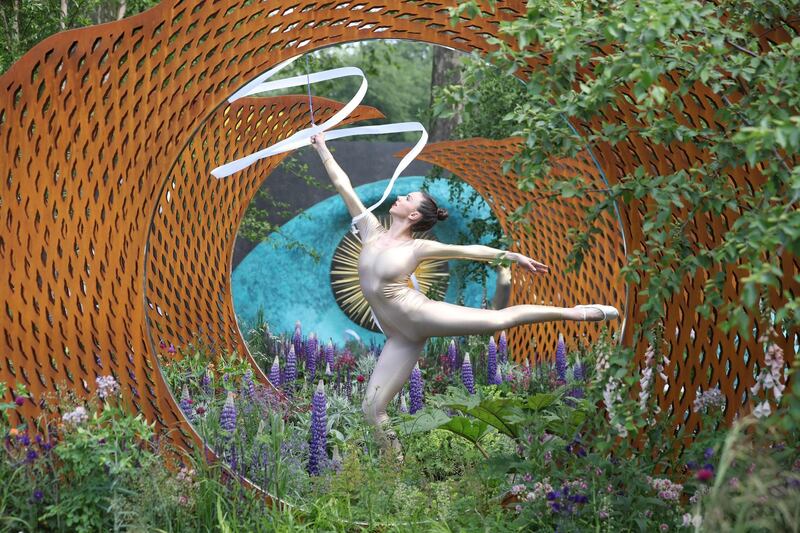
(408, 318)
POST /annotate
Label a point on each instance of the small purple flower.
(452, 355)
(317, 452)
(19, 400)
(491, 363)
(502, 347)
(106, 386)
(561, 359)
(415, 390)
(227, 418)
(186, 404)
(275, 373)
(709, 453)
(31, 456)
(38, 496)
(466, 374)
(172, 349)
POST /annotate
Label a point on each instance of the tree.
(650, 56)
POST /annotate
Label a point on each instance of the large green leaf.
(424, 421)
(504, 414)
(471, 429)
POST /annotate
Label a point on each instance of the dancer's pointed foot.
(597, 312)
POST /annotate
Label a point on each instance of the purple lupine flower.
(415, 389)
(186, 404)
(502, 347)
(249, 385)
(317, 452)
(452, 355)
(205, 382)
(227, 418)
(579, 372)
(466, 374)
(561, 359)
(491, 363)
(291, 367)
(311, 356)
(297, 340)
(275, 373)
(329, 353)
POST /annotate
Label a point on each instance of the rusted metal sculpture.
(110, 220)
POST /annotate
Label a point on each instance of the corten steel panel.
(479, 163)
(92, 122)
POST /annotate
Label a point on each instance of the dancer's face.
(407, 205)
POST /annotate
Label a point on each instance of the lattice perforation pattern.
(98, 125)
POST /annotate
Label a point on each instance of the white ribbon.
(303, 137)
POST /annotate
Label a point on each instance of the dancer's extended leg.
(393, 368)
(441, 319)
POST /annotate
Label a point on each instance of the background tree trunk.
(64, 13)
(446, 70)
(123, 7)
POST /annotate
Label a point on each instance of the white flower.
(762, 411)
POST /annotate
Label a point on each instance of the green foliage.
(399, 74)
(27, 22)
(649, 56)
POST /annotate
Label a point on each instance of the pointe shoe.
(609, 312)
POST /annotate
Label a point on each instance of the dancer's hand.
(318, 141)
(531, 265)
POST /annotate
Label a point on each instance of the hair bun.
(441, 213)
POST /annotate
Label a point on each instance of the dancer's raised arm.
(426, 249)
(342, 183)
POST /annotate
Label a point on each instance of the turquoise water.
(290, 285)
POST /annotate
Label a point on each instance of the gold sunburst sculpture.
(432, 277)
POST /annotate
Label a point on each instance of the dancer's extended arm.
(426, 249)
(342, 183)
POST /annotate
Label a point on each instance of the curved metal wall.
(95, 125)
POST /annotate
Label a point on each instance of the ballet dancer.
(406, 316)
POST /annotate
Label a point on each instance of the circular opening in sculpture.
(253, 428)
